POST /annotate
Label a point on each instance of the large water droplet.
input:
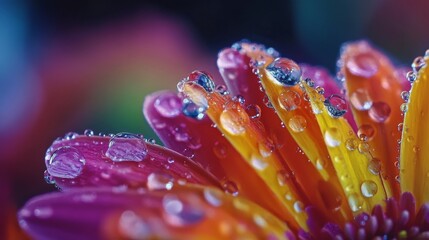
(203, 79)
(192, 110)
(66, 162)
(336, 106)
(355, 202)
(363, 65)
(333, 137)
(289, 100)
(361, 100)
(258, 163)
(133, 226)
(234, 121)
(297, 123)
(285, 71)
(379, 112)
(127, 147)
(368, 188)
(157, 181)
(374, 166)
(179, 213)
(168, 105)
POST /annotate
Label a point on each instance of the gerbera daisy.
(276, 150)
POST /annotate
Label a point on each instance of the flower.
(276, 137)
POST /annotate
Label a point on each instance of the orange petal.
(374, 92)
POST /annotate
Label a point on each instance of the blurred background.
(75, 65)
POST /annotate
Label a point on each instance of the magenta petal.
(123, 160)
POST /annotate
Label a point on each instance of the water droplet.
(88, 132)
(192, 110)
(418, 63)
(66, 162)
(363, 65)
(213, 197)
(405, 95)
(132, 226)
(239, 99)
(48, 178)
(411, 76)
(363, 147)
(168, 105)
(336, 106)
(283, 177)
(254, 111)
(351, 144)
(219, 150)
(400, 127)
(179, 213)
(43, 212)
(289, 100)
(127, 147)
(203, 79)
(368, 188)
(222, 89)
(258, 163)
(298, 207)
(285, 71)
(374, 166)
(70, 135)
(320, 90)
(267, 102)
(320, 164)
(333, 137)
(157, 181)
(379, 112)
(297, 123)
(404, 107)
(230, 187)
(180, 133)
(355, 202)
(366, 132)
(361, 100)
(234, 121)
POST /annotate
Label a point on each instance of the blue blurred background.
(72, 65)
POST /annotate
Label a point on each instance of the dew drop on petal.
(258, 163)
(411, 76)
(127, 147)
(333, 137)
(88, 132)
(418, 63)
(168, 105)
(133, 226)
(43, 212)
(48, 178)
(355, 202)
(283, 177)
(374, 166)
(179, 213)
(366, 132)
(192, 110)
(234, 121)
(361, 100)
(297, 123)
(289, 100)
(230, 187)
(363, 147)
(254, 111)
(157, 181)
(202, 79)
(379, 112)
(368, 188)
(219, 150)
(351, 144)
(336, 106)
(213, 197)
(66, 162)
(285, 71)
(405, 95)
(298, 207)
(363, 65)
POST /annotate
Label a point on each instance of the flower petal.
(374, 92)
(125, 160)
(415, 134)
(180, 213)
(215, 154)
(233, 65)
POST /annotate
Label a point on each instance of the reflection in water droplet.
(127, 147)
(368, 189)
(297, 123)
(336, 106)
(203, 79)
(230, 187)
(411, 76)
(48, 178)
(258, 163)
(168, 105)
(298, 207)
(379, 112)
(234, 121)
(418, 63)
(192, 110)
(366, 132)
(355, 202)
(333, 137)
(65, 162)
(254, 111)
(157, 181)
(88, 132)
(361, 100)
(289, 100)
(285, 71)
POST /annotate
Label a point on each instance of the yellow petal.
(414, 174)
